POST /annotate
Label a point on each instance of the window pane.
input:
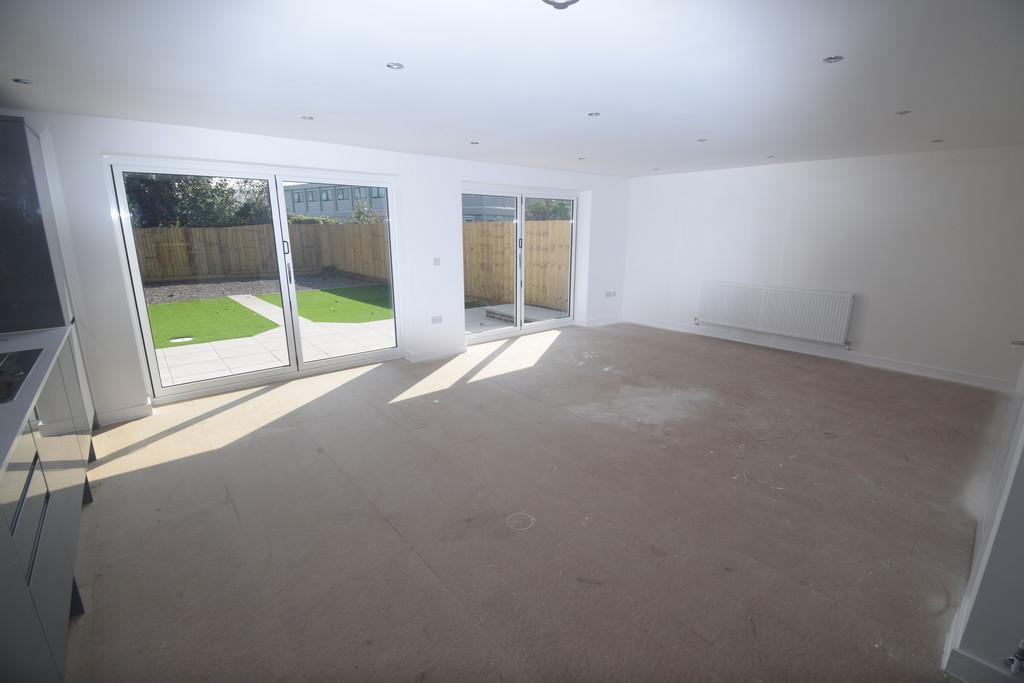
(489, 261)
(342, 265)
(547, 258)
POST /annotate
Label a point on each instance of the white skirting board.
(830, 351)
(107, 418)
(428, 356)
(602, 321)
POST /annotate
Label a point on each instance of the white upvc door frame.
(158, 391)
(118, 165)
(522, 193)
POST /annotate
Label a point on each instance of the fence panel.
(489, 262)
(248, 251)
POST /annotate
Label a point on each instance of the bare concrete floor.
(583, 504)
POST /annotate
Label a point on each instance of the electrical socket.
(437, 260)
(437, 319)
(609, 294)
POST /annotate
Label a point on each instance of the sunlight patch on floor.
(522, 354)
(172, 433)
(451, 372)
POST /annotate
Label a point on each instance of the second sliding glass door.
(340, 251)
(245, 276)
(517, 260)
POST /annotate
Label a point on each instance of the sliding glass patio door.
(239, 277)
(518, 254)
(203, 251)
(490, 234)
(339, 254)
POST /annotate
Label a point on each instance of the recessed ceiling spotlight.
(593, 114)
(937, 140)
(560, 4)
(397, 66)
(306, 117)
(22, 81)
(474, 142)
(655, 169)
(581, 158)
(833, 59)
(769, 156)
(702, 139)
(902, 112)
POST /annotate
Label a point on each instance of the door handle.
(1017, 342)
(287, 247)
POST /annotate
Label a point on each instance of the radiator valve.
(1016, 663)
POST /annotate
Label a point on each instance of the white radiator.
(802, 313)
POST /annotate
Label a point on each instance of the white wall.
(931, 243)
(428, 224)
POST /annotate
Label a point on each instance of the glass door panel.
(489, 257)
(340, 250)
(206, 254)
(547, 259)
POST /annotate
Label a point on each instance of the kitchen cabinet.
(41, 493)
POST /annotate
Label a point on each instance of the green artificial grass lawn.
(204, 320)
(342, 305)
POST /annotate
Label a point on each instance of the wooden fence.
(362, 249)
(248, 251)
(356, 248)
(489, 254)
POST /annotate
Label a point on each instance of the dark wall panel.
(28, 290)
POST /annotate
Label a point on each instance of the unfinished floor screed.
(621, 503)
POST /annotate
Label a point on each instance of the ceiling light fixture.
(580, 158)
(593, 114)
(474, 142)
(306, 117)
(833, 59)
(936, 140)
(655, 169)
(397, 66)
(902, 112)
(702, 139)
(22, 81)
(769, 156)
(560, 4)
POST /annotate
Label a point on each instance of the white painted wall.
(932, 244)
(428, 224)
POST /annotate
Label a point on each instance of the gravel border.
(170, 292)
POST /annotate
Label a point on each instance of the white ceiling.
(520, 76)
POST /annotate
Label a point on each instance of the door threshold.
(509, 332)
(318, 368)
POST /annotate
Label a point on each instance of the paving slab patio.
(320, 341)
